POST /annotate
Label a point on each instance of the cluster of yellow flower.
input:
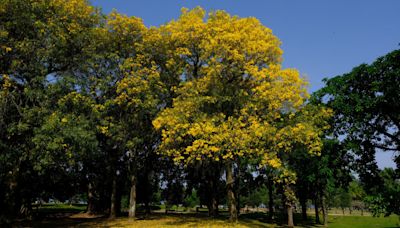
(236, 100)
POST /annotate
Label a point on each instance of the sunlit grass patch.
(176, 221)
(364, 221)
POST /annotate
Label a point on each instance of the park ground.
(73, 216)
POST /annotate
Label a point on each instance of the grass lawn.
(48, 219)
(363, 221)
(189, 220)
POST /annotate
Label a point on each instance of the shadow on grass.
(54, 222)
(60, 218)
(279, 219)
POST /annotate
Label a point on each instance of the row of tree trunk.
(233, 207)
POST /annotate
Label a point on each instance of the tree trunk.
(324, 211)
(290, 215)
(113, 208)
(288, 203)
(271, 199)
(25, 210)
(230, 192)
(210, 208)
(239, 175)
(213, 207)
(316, 210)
(147, 208)
(12, 196)
(303, 203)
(284, 207)
(212, 204)
(118, 203)
(149, 176)
(91, 206)
(132, 198)
(214, 192)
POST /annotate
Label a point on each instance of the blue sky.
(320, 38)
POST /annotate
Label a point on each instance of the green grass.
(363, 221)
(59, 208)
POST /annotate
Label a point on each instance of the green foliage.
(376, 204)
(192, 200)
(356, 191)
(365, 102)
(366, 105)
(41, 41)
(88, 100)
(386, 201)
(256, 197)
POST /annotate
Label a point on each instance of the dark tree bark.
(303, 203)
(13, 199)
(213, 203)
(114, 206)
(149, 191)
(25, 210)
(92, 202)
(230, 192)
(271, 198)
(147, 208)
(316, 209)
(238, 178)
(215, 190)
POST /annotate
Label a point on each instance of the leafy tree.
(257, 197)
(366, 105)
(320, 176)
(365, 102)
(192, 200)
(87, 100)
(40, 40)
(205, 176)
(344, 199)
(129, 105)
(386, 201)
(358, 195)
(236, 100)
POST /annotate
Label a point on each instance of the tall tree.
(366, 105)
(367, 116)
(236, 100)
(40, 40)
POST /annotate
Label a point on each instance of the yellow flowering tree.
(136, 102)
(119, 82)
(235, 100)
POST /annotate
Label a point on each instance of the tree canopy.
(197, 111)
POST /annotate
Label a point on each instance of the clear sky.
(320, 38)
